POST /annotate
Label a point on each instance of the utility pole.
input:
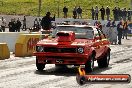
(39, 8)
(131, 4)
(58, 8)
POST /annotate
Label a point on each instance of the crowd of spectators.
(45, 23)
(118, 13)
(14, 25)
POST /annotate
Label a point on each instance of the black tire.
(89, 64)
(39, 66)
(104, 62)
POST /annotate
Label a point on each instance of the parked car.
(74, 45)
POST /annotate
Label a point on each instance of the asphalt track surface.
(19, 72)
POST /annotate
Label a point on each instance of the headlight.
(80, 50)
(40, 49)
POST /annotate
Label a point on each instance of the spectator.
(3, 24)
(65, 10)
(79, 12)
(119, 29)
(129, 14)
(108, 24)
(102, 10)
(39, 23)
(124, 14)
(46, 21)
(96, 23)
(125, 30)
(12, 25)
(36, 25)
(93, 13)
(75, 13)
(112, 33)
(113, 24)
(18, 25)
(108, 13)
(24, 24)
(96, 13)
(15, 26)
(115, 13)
(119, 14)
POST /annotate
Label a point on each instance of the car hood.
(80, 42)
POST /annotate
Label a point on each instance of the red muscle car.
(74, 45)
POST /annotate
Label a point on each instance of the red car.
(73, 45)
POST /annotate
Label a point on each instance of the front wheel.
(104, 62)
(89, 64)
(39, 66)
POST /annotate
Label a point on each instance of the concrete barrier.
(4, 51)
(11, 37)
(25, 45)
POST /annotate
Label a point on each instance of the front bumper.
(61, 58)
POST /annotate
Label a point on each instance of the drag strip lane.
(22, 73)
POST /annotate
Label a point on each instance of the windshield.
(80, 32)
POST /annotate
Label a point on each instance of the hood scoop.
(65, 36)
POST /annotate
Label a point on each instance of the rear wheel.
(39, 66)
(89, 64)
(104, 62)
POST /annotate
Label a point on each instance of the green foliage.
(30, 7)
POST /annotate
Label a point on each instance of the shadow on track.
(68, 71)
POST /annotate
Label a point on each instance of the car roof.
(83, 26)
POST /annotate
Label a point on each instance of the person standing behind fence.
(108, 13)
(46, 21)
(65, 11)
(119, 13)
(119, 29)
(96, 13)
(24, 24)
(129, 14)
(115, 13)
(125, 30)
(92, 13)
(75, 12)
(3, 24)
(18, 25)
(79, 12)
(124, 14)
(102, 10)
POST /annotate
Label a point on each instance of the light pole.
(39, 7)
